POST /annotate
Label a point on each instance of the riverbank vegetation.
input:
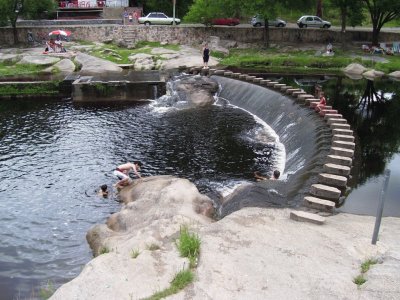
(30, 88)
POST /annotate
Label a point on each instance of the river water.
(54, 155)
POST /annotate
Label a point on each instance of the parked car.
(225, 21)
(258, 21)
(158, 18)
(312, 21)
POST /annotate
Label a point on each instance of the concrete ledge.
(302, 216)
(228, 73)
(243, 76)
(343, 144)
(286, 87)
(339, 126)
(211, 71)
(236, 75)
(327, 110)
(337, 169)
(297, 93)
(341, 137)
(265, 81)
(257, 80)
(332, 179)
(279, 85)
(342, 132)
(309, 100)
(325, 191)
(339, 160)
(342, 152)
(271, 83)
(291, 91)
(335, 116)
(303, 97)
(219, 72)
(336, 120)
(317, 203)
(250, 78)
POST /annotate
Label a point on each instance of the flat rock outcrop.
(64, 66)
(395, 74)
(355, 69)
(91, 65)
(40, 60)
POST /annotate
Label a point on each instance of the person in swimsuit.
(322, 102)
(259, 177)
(206, 56)
(103, 192)
(122, 173)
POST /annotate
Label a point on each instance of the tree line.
(351, 12)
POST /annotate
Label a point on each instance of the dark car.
(225, 21)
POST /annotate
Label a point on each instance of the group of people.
(54, 45)
(131, 17)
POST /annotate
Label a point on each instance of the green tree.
(11, 10)
(204, 11)
(348, 9)
(381, 12)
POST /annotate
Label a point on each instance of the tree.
(268, 10)
(348, 9)
(381, 12)
(11, 10)
(319, 8)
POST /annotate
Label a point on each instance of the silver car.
(312, 21)
(258, 21)
(158, 18)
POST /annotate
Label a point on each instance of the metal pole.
(380, 207)
(173, 10)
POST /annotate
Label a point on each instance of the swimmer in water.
(103, 191)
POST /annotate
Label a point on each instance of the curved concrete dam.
(305, 136)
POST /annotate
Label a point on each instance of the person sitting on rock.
(322, 103)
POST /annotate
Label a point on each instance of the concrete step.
(336, 169)
(327, 110)
(344, 138)
(339, 160)
(265, 81)
(325, 191)
(318, 203)
(303, 97)
(272, 83)
(291, 91)
(344, 144)
(342, 131)
(302, 216)
(297, 93)
(219, 72)
(336, 116)
(336, 120)
(250, 78)
(243, 76)
(257, 80)
(342, 152)
(228, 73)
(286, 87)
(236, 75)
(309, 100)
(339, 126)
(279, 85)
(332, 179)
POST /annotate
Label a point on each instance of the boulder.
(9, 58)
(65, 66)
(198, 90)
(142, 61)
(372, 74)
(395, 74)
(356, 69)
(91, 65)
(40, 60)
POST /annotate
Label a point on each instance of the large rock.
(65, 66)
(9, 58)
(40, 60)
(355, 69)
(373, 74)
(91, 65)
(142, 61)
(395, 74)
(197, 90)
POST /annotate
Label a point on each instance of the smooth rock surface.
(91, 65)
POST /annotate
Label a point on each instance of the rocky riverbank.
(253, 253)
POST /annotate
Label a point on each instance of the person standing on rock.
(122, 173)
(206, 56)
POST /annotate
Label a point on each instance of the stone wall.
(196, 35)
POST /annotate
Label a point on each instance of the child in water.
(103, 192)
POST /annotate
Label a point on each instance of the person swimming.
(103, 191)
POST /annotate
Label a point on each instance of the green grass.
(180, 281)
(153, 247)
(104, 250)
(305, 62)
(49, 88)
(7, 70)
(189, 245)
(359, 280)
(367, 264)
(135, 253)
(47, 291)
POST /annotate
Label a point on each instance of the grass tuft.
(153, 247)
(189, 245)
(367, 264)
(180, 281)
(104, 250)
(359, 280)
(47, 291)
(135, 253)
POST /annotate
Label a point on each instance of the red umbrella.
(60, 32)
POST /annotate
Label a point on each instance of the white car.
(258, 21)
(158, 18)
(312, 21)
